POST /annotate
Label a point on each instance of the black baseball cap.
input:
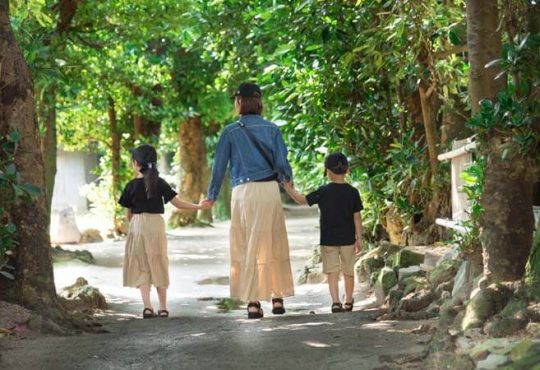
(144, 154)
(248, 90)
(337, 163)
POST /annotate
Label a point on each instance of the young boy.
(341, 226)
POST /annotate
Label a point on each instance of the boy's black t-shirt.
(338, 203)
(134, 197)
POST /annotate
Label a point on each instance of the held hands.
(206, 204)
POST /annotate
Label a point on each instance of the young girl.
(145, 261)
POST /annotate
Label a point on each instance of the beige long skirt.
(145, 259)
(260, 264)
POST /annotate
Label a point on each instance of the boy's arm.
(129, 214)
(295, 195)
(358, 230)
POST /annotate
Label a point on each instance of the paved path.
(198, 336)
(321, 341)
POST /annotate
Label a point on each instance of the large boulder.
(81, 295)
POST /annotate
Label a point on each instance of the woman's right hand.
(206, 204)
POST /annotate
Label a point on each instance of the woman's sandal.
(255, 314)
(148, 313)
(277, 306)
(163, 313)
(337, 307)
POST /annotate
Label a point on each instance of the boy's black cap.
(248, 90)
(144, 154)
(337, 163)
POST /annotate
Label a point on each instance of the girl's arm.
(182, 204)
(129, 214)
(295, 195)
(358, 228)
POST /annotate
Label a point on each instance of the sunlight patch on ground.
(294, 327)
(386, 325)
(314, 344)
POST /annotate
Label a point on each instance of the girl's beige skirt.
(145, 260)
(260, 265)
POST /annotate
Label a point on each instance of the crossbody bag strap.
(257, 144)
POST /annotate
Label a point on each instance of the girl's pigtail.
(151, 176)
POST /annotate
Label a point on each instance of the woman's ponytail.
(151, 176)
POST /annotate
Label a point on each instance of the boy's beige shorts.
(338, 258)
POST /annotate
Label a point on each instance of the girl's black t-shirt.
(134, 196)
(338, 203)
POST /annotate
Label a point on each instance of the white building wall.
(73, 171)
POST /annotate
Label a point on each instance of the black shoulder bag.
(260, 148)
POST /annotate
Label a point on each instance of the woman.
(257, 155)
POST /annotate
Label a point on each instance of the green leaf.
(7, 275)
(493, 63)
(11, 228)
(454, 38)
(14, 136)
(11, 169)
(30, 189)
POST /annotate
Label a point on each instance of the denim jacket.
(246, 162)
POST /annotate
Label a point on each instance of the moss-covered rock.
(484, 304)
(62, 255)
(443, 272)
(394, 298)
(387, 279)
(84, 296)
(526, 355)
(407, 258)
(416, 301)
(513, 318)
(313, 273)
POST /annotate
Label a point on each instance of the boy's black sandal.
(348, 307)
(163, 313)
(148, 313)
(337, 307)
(255, 314)
(277, 306)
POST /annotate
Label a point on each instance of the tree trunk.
(507, 222)
(194, 168)
(49, 140)
(138, 124)
(115, 155)
(484, 45)
(430, 126)
(34, 282)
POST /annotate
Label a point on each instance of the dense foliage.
(383, 81)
